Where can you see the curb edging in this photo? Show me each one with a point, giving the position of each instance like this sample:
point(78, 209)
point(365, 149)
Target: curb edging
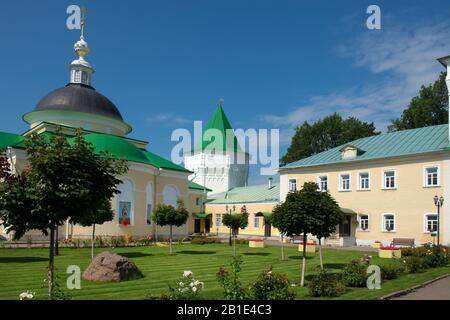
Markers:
point(411, 289)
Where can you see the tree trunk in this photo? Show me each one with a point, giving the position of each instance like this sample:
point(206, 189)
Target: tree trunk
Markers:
point(229, 240)
point(234, 245)
point(51, 264)
point(56, 241)
point(320, 254)
point(170, 241)
point(302, 282)
point(282, 248)
point(93, 241)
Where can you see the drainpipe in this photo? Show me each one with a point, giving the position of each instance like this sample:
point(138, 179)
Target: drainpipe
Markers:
point(155, 226)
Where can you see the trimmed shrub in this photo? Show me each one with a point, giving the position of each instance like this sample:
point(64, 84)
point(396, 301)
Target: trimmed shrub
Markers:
point(391, 271)
point(413, 264)
point(355, 274)
point(435, 257)
point(326, 284)
point(205, 240)
point(272, 286)
point(241, 241)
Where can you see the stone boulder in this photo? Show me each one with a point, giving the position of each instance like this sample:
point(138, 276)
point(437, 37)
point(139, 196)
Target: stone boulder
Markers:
point(108, 266)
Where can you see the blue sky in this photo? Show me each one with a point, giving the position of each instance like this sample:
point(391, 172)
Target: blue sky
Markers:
point(276, 63)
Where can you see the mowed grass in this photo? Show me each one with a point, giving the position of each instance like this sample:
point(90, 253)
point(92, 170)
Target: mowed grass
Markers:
point(25, 269)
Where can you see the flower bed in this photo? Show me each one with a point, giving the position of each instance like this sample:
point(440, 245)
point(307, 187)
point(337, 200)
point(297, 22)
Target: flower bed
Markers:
point(310, 247)
point(389, 252)
point(256, 243)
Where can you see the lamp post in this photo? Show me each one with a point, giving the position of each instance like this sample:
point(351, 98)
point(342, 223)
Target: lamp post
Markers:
point(229, 210)
point(438, 202)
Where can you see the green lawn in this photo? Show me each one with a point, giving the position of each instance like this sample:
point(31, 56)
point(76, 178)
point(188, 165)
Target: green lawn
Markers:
point(25, 269)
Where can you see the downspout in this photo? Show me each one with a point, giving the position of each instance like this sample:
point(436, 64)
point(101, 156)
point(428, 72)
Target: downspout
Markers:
point(155, 226)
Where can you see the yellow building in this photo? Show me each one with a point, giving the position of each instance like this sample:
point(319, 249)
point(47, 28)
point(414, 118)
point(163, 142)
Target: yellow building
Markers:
point(385, 184)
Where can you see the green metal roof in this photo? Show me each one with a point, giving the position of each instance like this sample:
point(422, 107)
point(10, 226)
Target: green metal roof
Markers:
point(9, 139)
point(251, 194)
point(220, 122)
point(116, 146)
point(196, 186)
point(394, 144)
point(202, 215)
point(163, 163)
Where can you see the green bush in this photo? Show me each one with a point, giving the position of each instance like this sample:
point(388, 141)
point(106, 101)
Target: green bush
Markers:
point(272, 286)
point(391, 271)
point(435, 257)
point(326, 284)
point(241, 241)
point(230, 281)
point(355, 274)
point(205, 240)
point(413, 264)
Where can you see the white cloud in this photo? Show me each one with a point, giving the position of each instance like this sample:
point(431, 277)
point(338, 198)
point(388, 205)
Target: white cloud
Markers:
point(167, 119)
point(402, 59)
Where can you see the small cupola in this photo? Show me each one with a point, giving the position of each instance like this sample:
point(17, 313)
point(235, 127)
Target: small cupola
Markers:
point(350, 152)
point(80, 70)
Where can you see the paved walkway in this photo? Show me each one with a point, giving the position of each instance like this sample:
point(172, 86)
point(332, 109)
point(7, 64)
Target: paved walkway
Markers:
point(438, 290)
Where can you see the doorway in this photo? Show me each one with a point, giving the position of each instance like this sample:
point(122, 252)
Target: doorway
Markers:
point(207, 225)
point(267, 229)
point(197, 226)
point(345, 227)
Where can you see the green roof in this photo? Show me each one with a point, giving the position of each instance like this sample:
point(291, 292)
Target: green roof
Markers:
point(394, 144)
point(202, 215)
point(196, 186)
point(220, 122)
point(251, 194)
point(163, 163)
point(9, 139)
point(118, 147)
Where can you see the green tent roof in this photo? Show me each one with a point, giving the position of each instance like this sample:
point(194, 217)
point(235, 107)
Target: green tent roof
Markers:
point(251, 194)
point(393, 144)
point(220, 122)
point(196, 186)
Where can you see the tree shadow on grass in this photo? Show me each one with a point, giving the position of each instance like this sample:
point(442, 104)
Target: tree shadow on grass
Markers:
point(256, 253)
point(334, 265)
point(22, 259)
point(196, 252)
point(300, 257)
point(135, 254)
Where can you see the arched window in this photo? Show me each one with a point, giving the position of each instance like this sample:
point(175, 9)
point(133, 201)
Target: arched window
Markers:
point(125, 204)
point(170, 195)
point(150, 197)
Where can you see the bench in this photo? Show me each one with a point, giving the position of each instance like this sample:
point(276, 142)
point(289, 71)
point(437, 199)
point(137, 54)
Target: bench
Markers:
point(405, 242)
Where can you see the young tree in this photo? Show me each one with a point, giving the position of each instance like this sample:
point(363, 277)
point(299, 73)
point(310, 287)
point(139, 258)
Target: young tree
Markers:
point(324, 134)
point(429, 108)
point(167, 215)
point(236, 221)
point(61, 184)
point(326, 220)
point(298, 214)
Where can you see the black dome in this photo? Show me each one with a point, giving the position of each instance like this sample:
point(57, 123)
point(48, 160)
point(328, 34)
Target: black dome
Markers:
point(79, 98)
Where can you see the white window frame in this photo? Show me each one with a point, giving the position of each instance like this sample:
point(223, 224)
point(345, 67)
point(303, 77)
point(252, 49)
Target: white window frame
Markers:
point(256, 219)
point(383, 224)
point(359, 181)
point(425, 176)
point(290, 184)
point(349, 182)
point(218, 220)
point(319, 182)
point(123, 196)
point(383, 179)
point(425, 221)
point(359, 222)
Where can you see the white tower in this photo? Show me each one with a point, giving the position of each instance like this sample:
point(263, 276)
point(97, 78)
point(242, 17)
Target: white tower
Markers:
point(218, 162)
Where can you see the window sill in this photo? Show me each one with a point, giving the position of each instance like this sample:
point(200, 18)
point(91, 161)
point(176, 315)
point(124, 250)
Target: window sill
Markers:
point(436, 186)
point(384, 231)
point(363, 189)
point(361, 230)
point(389, 188)
point(344, 190)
